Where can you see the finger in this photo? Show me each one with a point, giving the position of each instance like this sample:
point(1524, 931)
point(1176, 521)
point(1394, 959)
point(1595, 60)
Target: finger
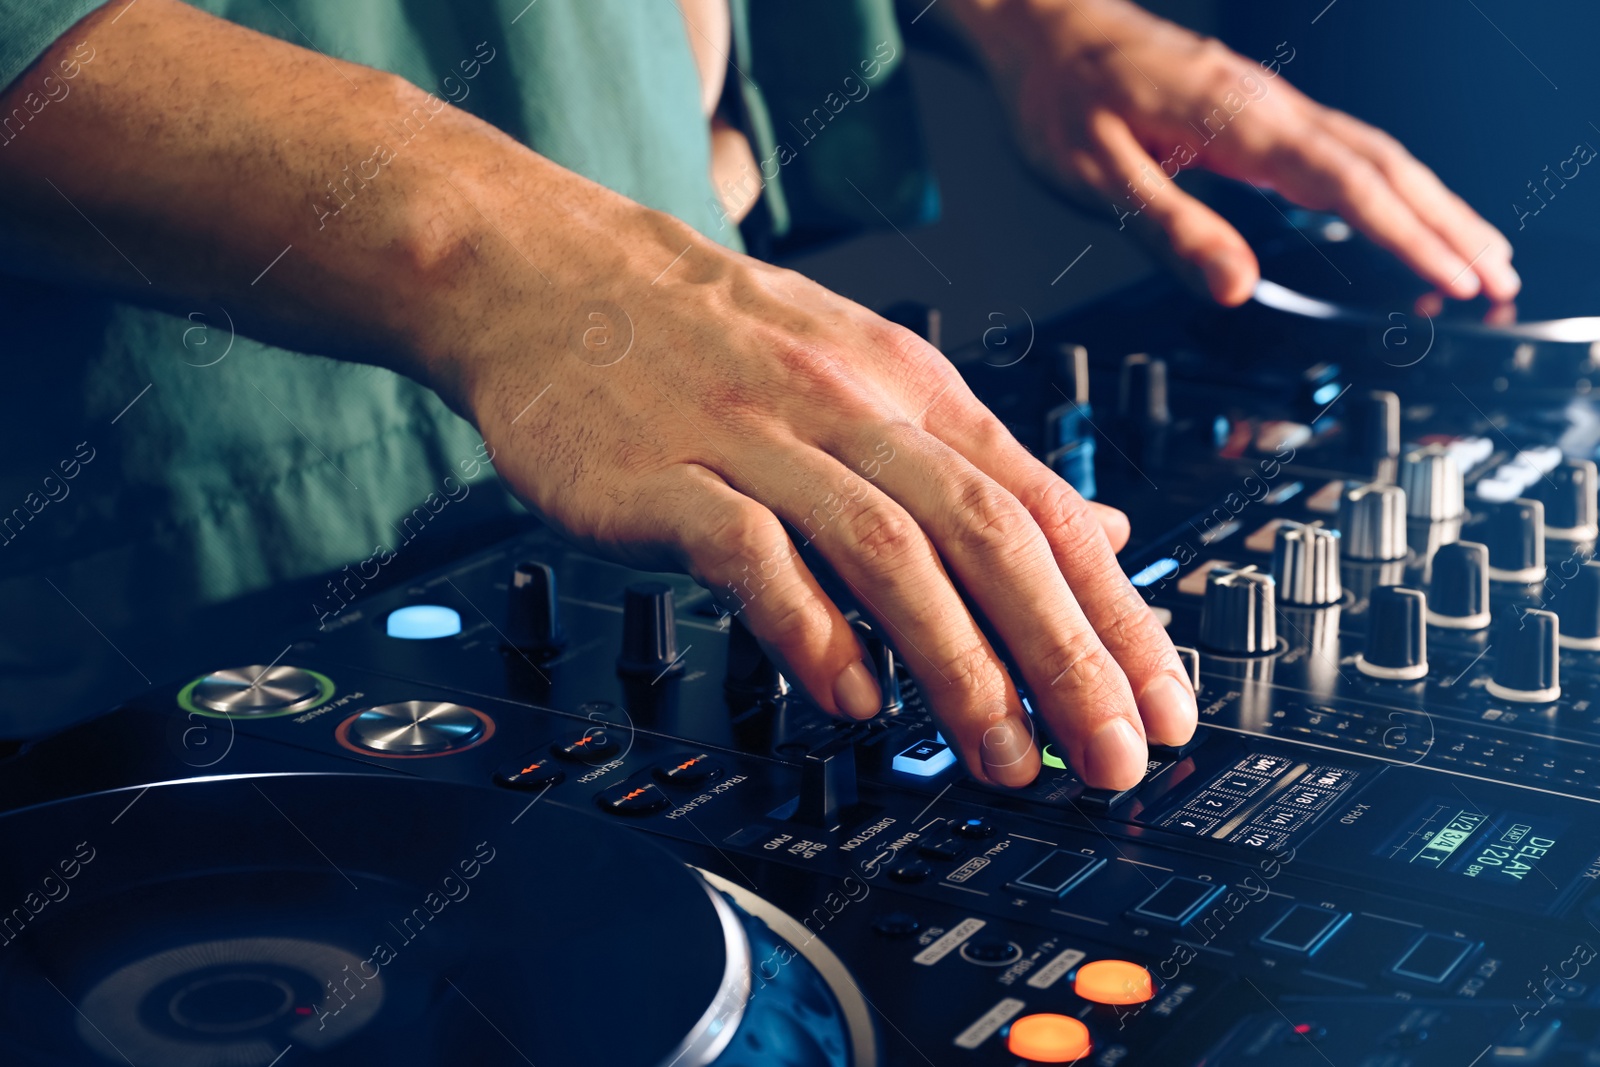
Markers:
point(739, 550)
point(876, 547)
point(1001, 558)
point(1197, 241)
point(1461, 227)
point(1125, 625)
point(1113, 523)
point(1321, 172)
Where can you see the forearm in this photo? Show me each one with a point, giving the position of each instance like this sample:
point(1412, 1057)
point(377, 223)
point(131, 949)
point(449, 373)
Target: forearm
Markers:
point(329, 207)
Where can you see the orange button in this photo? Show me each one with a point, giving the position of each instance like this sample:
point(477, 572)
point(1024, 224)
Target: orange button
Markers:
point(1114, 982)
point(1048, 1039)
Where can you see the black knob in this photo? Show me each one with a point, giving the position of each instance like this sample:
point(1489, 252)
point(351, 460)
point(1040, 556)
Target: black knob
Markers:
point(1142, 391)
point(1527, 665)
point(533, 619)
point(1568, 494)
point(1239, 614)
point(649, 631)
point(827, 782)
point(1580, 609)
point(1514, 533)
point(1397, 635)
point(1374, 419)
point(1072, 373)
point(1458, 593)
point(880, 657)
point(751, 675)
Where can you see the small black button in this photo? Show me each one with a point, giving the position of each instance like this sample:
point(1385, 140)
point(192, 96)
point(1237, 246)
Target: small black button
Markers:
point(896, 924)
point(977, 829)
point(910, 871)
point(530, 772)
point(1178, 900)
point(689, 771)
point(632, 798)
point(990, 950)
point(590, 745)
point(942, 848)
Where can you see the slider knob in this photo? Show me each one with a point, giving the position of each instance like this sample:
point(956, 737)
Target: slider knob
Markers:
point(1372, 520)
point(1397, 635)
point(1580, 609)
point(533, 622)
point(1432, 483)
point(649, 631)
point(1568, 494)
point(1514, 532)
point(1239, 614)
point(1305, 564)
point(1527, 666)
point(1142, 391)
point(1458, 595)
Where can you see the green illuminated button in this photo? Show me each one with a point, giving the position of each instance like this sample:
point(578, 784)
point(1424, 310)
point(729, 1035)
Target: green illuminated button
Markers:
point(1051, 759)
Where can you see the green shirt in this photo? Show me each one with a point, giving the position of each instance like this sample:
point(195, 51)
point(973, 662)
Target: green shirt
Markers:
point(156, 463)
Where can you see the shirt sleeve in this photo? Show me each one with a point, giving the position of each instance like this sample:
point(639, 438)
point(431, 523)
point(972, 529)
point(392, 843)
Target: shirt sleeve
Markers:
point(28, 27)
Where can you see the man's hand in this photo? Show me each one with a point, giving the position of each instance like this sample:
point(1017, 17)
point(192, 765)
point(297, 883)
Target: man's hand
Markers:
point(1110, 103)
point(661, 399)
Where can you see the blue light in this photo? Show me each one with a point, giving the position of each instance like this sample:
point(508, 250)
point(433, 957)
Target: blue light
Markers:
point(1158, 570)
point(925, 759)
point(1326, 394)
point(423, 622)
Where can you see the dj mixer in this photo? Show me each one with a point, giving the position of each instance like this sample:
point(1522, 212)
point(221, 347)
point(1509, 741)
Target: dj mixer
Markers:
point(537, 808)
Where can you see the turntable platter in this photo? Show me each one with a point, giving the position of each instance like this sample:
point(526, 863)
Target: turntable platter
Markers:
point(353, 919)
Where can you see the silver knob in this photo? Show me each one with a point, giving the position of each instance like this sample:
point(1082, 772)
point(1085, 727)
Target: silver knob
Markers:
point(1239, 614)
point(1305, 564)
point(1432, 483)
point(1372, 520)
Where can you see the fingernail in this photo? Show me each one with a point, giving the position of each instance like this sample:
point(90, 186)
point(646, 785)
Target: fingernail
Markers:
point(1466, 283)
point(1219, 272)
point(1506, 281)
point(856, 691)
point(1168, 711)
point(1115, 757)
point(1009, 757)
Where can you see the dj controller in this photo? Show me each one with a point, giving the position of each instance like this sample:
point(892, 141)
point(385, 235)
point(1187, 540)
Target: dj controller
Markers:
point(537, 808)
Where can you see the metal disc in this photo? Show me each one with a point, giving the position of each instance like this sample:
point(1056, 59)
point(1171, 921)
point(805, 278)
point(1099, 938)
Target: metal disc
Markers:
point(256, 690)
point(416, 727)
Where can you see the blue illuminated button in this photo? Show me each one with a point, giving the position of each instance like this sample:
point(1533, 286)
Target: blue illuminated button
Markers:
point(1058, 873)
point(925, 758)
point(1178, 900)
point(1304, 929)
point(423, 622)
point(1161, 568)
point(1432, 957)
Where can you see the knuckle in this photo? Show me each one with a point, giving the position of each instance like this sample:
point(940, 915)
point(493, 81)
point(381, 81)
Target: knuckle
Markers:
point(881, 533)
point(1063, 515)
point(792, 620)
point(970, 669)
point(736, 534)
point(987, 518)
point(1088, 671)
point(1129, 624)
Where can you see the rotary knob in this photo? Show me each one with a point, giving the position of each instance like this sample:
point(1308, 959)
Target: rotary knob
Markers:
point(1514, 533)
point(1527, 666)
point(1372, 520)
point(1142, 391)
point(1239, 614)
point(649, 631)
point(1458, 594)
point(1568, 494)
point(1397, 635)
point(1305, 564)
point(881, 657)
point(751, 675)
point(533, 620)
point(1375, 425)
point(1580, 609)
point(1432, 483)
